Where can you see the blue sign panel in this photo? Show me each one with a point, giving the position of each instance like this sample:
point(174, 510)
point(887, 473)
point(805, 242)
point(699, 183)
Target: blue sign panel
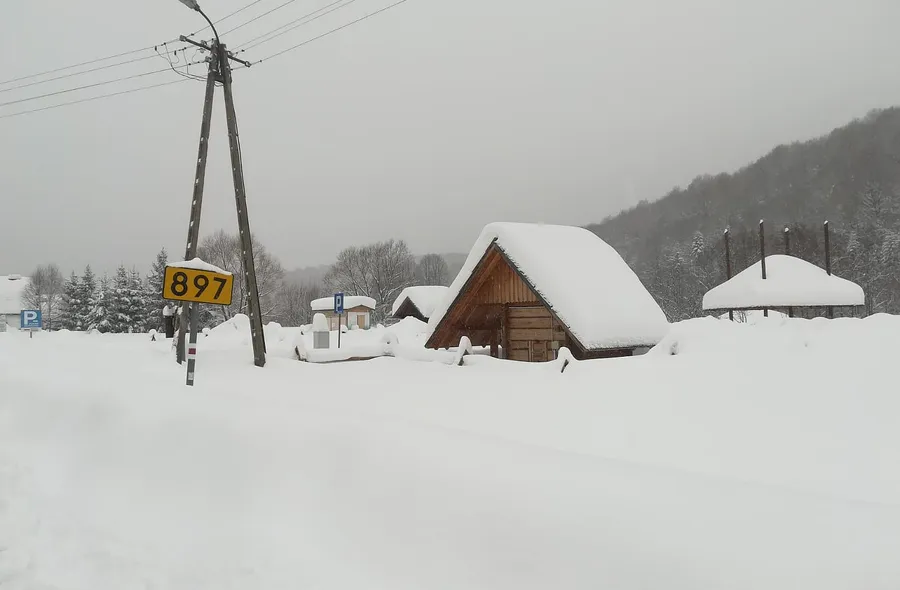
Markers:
point(30, 319)
point(338, 303)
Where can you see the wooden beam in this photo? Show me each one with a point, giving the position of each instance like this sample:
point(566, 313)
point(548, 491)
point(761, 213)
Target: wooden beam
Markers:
point(504, 331)
point(532, 311)
point(541, 335)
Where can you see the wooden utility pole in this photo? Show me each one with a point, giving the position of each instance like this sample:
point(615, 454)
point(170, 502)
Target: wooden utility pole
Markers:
point(220, 71)
point(190, 250)
point(727, 236)
point(240, 198)
point(830, 309)
point(787, 252)
point(762, 257)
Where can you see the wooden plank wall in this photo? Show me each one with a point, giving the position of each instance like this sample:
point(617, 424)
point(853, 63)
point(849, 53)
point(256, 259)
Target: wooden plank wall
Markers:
point(504, 286)
point(531, 331)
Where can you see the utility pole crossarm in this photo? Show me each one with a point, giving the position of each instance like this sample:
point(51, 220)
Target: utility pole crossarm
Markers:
point(203, 45)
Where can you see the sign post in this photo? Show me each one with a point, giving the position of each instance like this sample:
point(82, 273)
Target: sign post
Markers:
point(339, 310)
point(31, 320)
point(196, 282)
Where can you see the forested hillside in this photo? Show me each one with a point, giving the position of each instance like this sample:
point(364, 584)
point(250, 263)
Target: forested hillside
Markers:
point(850, 177)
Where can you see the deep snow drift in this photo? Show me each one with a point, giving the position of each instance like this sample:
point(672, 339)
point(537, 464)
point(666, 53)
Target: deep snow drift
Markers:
point(731, 456)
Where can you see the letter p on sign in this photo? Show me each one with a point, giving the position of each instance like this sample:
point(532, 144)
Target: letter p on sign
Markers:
point(30, 319)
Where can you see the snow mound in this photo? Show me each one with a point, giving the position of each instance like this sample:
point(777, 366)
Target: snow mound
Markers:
point(781, 337)
point(789, 281)
point(240, 322)
point(320, 323)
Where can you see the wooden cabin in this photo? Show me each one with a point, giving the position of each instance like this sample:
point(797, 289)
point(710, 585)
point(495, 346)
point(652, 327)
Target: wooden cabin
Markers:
point(528, 290)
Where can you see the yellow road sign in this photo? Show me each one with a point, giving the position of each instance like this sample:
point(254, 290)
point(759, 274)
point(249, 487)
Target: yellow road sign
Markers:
point(199, 286)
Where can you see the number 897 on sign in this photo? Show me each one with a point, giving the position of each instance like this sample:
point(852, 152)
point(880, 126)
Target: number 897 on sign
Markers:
point(198, 286)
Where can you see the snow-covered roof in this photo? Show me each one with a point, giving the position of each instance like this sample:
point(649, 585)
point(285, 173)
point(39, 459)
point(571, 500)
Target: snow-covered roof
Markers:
point(424, 297)
point(11, 289)
point(350, 301)
point(589, 287)
point(197, 264)
point(789, 281)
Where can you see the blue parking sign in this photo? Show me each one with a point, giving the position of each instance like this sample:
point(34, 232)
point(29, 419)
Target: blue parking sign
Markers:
point(30, 319)
point(338, 303)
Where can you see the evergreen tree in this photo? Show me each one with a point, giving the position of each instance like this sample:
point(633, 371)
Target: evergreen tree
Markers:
point(86, 290)
point(98, 317)
point(138, 294)
point(154, 303)
point(119, 302)
point(68, 313)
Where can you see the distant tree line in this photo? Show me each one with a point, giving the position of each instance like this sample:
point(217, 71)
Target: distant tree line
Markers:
point(850, 177)
point(382, 270)
point(130, 302)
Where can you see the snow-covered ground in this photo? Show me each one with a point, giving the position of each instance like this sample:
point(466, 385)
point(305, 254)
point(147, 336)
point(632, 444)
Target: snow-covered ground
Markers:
point(731, 456)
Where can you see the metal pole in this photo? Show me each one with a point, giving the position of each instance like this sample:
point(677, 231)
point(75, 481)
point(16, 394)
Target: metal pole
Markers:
point(339, 329)
point(192, 345)
point(787, 252)
point(762, 257)
point(240, 197)
point(830, 309)
point(190, 251)
point(728, 265)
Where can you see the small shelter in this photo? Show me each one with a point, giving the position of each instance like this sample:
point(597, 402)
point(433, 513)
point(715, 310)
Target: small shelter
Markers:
point(418, 302)
point(789, 282)
point(357, 311)
point(527, 290)
point(12, 287)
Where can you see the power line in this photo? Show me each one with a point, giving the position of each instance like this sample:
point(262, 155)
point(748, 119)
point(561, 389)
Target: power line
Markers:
point(247, 45)
point(92, 98)
point(227, 16)
point(168, 58)
point(280, 6)
point(335, 30)
point(84, 63)
point(97, 69)
point(94, 85)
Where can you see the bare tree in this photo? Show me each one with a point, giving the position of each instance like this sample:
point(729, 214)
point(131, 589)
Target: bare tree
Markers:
point(379, 270)
point(294, 302)
point(44, 291)
point(432, 270)
point(224, 250)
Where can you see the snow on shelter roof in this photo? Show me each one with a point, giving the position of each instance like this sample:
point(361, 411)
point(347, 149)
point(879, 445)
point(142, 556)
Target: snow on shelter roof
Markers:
point(583, 280)
point(350, 301)
point(424, 297)
point(11, 289)
point(789, 282)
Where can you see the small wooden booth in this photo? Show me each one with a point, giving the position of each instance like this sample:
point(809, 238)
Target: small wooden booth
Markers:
point(528, 290)
point(357, 311)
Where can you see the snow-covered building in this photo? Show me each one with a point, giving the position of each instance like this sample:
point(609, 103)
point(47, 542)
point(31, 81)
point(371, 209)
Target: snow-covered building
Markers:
point(527, 290)
point(790, 283)
point(357, 311)
point(418, 302)
point(12, 287)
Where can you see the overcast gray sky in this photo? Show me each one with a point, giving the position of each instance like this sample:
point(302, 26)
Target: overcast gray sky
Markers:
point(422, 123)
